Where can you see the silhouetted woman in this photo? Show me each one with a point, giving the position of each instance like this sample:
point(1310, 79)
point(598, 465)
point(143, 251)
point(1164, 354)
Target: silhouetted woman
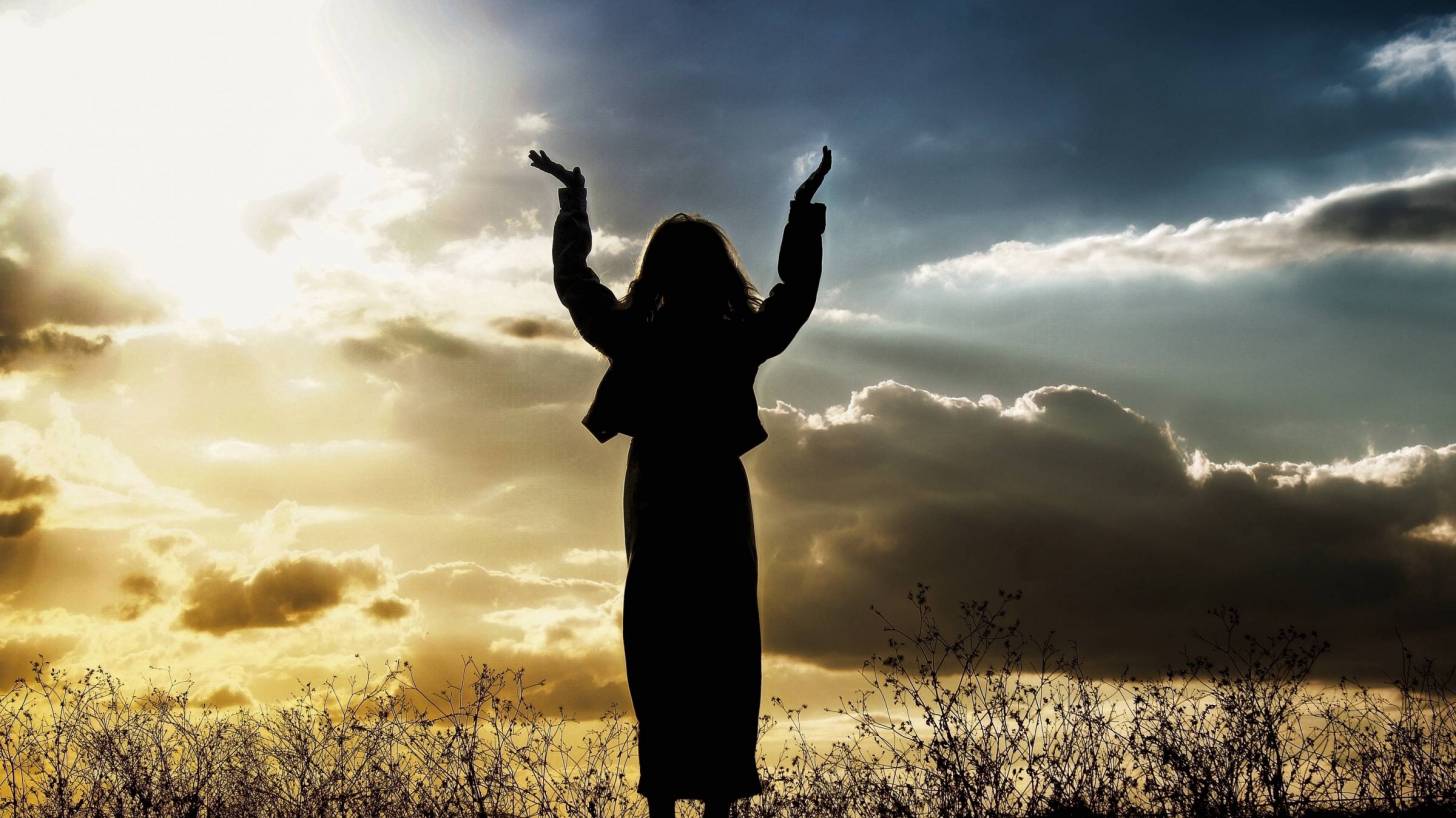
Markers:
point(684, 346)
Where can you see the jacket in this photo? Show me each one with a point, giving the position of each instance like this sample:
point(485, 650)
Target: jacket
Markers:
point(689, 381)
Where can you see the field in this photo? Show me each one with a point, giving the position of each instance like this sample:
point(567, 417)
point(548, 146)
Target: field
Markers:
point(973, 719)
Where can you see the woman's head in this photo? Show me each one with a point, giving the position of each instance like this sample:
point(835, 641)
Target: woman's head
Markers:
point(690, 262)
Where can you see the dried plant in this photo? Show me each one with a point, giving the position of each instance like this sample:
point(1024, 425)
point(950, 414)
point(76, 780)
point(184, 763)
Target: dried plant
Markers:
point(982, 719)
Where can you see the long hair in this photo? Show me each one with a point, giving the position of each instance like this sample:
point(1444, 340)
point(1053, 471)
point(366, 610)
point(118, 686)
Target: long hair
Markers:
point(690, 260)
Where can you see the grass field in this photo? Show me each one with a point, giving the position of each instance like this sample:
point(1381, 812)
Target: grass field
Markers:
point(966, 720)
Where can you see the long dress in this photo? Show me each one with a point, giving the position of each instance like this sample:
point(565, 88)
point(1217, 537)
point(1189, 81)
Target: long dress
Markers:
point(690, 623)
point(684, 391)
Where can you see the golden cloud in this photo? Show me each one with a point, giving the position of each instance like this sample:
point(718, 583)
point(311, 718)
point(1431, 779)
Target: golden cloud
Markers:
point(289, 591)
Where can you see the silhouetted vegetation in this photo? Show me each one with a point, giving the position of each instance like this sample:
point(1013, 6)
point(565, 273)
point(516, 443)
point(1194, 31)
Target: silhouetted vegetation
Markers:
point(978, 720)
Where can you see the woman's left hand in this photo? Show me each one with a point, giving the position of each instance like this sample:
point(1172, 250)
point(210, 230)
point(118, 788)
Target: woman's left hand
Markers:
point(810, 186)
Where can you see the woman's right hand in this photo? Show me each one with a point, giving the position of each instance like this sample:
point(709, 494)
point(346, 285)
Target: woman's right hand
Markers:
point(810, 186)
point(569, 178)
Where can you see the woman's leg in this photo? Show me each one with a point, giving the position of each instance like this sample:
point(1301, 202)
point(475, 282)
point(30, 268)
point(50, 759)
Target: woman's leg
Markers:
point(715, 809)
point(662, 808)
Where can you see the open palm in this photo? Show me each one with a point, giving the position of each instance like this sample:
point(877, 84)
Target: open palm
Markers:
point(569, 178)
point(810, 186)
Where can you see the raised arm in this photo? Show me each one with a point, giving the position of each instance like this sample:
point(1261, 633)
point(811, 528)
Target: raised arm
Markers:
point(592, 304)
point(801, 256)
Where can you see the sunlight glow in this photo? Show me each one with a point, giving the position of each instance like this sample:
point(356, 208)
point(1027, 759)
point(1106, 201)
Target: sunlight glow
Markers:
point(160, 122)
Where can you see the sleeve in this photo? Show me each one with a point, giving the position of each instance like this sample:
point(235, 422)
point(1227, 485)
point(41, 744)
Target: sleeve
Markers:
point(789, 303)
point(592, 304)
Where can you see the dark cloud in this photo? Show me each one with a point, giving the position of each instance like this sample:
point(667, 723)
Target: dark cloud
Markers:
point(166, 541)
point(21, 520)
point(19, 493)
point(1091, 511)
point(405, 336)
point(530, 328)
point(16, 656)
point(388, 609)
point(49, 341)
point(142, 592)
point(141, 585)
point(42, 284)
point(1421, 212)
point(226, 696)
point(15, 485)
point(286, 592)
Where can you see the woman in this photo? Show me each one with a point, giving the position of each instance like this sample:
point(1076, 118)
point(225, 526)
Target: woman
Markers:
point(684, 346)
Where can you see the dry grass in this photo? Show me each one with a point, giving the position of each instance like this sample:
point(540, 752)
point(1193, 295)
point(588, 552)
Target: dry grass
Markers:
point(979, 721)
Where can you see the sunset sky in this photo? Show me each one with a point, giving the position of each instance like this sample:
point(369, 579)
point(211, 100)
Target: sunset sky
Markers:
point(1140, 308)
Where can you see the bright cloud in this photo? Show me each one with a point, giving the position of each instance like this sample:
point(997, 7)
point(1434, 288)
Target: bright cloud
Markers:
point(97, 485)
point(1415, 215)
point(533, 123)
point(1417, 55)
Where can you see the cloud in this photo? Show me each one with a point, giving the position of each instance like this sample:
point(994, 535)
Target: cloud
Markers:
point(565, 631)
point(531, 328)
point(268, 221)
point(286, 592)
point(1417, 55)
point(470, 584)
point(17, 654)
point(16, 485)
point(804, 163)
point(97, 485)
point(278, 529)
point(1419, 211)
point(20, 510)
point(439, 370)
point(592, 556)
point(1120, 537)
point(586, 631)
point(533, 123)
point(836, 315)
point(1414, 215)
point(388, 609)
point(18, 522)
point(582, 686)
point(142, 592)
point(499, 425)
point(49, 341)
point(226, 696)
point(167, 541)
point(245, 451)
point(405, 336)
point(45, 289)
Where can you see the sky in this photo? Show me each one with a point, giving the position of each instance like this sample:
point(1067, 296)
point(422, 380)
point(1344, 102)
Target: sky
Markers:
point(1138, 308)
